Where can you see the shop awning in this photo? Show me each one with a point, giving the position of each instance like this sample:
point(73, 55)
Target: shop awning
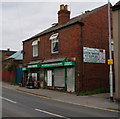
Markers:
point(53, 62)
point(34, 64)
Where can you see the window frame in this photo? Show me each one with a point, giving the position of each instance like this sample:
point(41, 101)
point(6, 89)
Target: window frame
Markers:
point(35, 48)
point(54, 39)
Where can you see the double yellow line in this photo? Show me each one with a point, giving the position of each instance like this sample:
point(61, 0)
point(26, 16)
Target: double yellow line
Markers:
point(45, 97)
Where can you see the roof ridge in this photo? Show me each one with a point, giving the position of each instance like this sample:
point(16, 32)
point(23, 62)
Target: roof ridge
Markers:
point(91, 11)
point(71, 21)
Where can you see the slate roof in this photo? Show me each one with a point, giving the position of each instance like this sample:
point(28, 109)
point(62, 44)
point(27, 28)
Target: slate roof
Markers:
point(116, 6)
point(7, 53)
point(70, 22)
point(16, 56)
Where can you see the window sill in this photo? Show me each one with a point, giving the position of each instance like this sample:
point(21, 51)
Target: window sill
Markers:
point(56, 53)
point(35, 57)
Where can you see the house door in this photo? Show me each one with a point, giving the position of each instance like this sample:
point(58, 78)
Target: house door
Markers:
point(49, 77)
point(70, 79)
point(18, 75)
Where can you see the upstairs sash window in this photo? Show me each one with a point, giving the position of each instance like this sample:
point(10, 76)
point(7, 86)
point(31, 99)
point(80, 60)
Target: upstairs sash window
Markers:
point(35, 48)
point(54, 43)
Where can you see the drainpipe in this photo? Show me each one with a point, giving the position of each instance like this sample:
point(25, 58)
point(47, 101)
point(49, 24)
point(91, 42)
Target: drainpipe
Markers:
point(82, 45)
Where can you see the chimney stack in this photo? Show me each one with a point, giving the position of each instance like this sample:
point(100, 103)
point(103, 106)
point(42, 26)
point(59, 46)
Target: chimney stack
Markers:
point(63, 14)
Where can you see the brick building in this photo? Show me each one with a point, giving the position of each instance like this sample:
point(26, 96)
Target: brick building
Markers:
point(6, 53)
point(12, 67)
point(116, 39)
point(71, 55)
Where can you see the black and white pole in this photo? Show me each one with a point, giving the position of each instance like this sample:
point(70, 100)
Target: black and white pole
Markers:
point(110, 61)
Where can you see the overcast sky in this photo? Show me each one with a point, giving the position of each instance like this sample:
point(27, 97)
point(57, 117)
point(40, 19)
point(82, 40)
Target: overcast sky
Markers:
point(21, 20)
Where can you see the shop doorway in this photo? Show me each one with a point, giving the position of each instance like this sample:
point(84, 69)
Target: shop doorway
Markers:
point(49, 77)
point(70, 79)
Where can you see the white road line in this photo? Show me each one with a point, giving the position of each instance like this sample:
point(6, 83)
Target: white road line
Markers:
point(52, 114)
point(7, 99)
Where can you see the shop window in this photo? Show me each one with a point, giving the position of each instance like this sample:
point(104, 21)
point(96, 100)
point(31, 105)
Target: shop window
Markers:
point(54, 43)
point(35, 48)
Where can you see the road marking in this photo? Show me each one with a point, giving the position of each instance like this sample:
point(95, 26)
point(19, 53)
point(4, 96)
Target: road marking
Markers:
point(52, 114)
point(100, 108)
point(69, 102)
point(7, 99)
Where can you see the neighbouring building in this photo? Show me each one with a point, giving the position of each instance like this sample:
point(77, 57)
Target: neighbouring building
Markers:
point(72, 54)
point(6, 53)
point(116, 39)
point(12, 67)
point(3, 55)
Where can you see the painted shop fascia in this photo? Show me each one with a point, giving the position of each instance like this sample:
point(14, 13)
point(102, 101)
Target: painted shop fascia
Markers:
point(54, 79)
point(56, 75)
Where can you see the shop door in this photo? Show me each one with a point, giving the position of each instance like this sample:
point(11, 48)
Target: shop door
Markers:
point(70, 79)
point(59, 75)
point(18, 75)
point(49, 77)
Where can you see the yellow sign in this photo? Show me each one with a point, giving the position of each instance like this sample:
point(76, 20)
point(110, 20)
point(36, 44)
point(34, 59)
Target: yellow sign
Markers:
point(110, 61)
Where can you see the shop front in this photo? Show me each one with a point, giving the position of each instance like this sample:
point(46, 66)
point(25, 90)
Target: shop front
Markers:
point(34, 74)
point(24, 75)
point(59, 74)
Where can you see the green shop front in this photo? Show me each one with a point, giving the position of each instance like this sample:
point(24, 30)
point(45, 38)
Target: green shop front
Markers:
point(34, 72)
point(24, 75)
point(59, 74)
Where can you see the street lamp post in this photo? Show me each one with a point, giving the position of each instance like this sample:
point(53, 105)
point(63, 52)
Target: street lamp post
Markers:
point(110, 61)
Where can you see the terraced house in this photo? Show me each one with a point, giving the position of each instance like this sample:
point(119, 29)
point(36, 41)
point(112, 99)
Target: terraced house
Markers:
point(72, 54)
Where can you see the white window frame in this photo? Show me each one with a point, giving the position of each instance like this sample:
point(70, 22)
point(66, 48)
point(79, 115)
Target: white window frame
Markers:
point(35, 48)
point(54, 39)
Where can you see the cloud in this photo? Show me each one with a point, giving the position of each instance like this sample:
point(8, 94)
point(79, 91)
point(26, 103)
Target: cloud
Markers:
point(21, 20)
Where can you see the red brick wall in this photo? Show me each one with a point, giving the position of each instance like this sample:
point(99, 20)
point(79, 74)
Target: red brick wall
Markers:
point(68, 45)
point(8, 76)
point(95, 35)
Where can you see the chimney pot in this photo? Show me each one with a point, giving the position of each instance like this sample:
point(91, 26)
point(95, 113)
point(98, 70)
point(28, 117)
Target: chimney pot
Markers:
point(62, 7)
point(8, 49)
point(63, 14)
point(66, 7)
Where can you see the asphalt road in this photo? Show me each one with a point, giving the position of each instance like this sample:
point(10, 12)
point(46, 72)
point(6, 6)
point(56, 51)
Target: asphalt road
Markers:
point(18, 104)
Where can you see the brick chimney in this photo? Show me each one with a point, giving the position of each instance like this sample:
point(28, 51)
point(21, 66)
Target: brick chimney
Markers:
point(63, 14)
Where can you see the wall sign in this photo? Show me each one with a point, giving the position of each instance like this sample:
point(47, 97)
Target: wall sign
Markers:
point(93, 55)
point(34, 65)
point(24, 68)
point(53, 64)
point(71, 63)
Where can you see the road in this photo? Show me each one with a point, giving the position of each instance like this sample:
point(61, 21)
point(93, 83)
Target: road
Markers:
point(18, 104)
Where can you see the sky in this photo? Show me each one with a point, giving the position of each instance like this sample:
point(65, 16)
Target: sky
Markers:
point(22, 19)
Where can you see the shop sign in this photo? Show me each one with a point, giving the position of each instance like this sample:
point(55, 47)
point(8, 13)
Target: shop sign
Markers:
point(24, 68)
point(69, 63)
point(93, 55)
point(34, 66)
point(52, 64)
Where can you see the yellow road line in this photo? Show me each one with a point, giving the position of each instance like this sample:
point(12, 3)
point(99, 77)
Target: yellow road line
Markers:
point(25, 92)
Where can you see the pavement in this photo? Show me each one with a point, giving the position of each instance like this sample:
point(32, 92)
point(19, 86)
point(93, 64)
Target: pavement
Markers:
point(99, 101)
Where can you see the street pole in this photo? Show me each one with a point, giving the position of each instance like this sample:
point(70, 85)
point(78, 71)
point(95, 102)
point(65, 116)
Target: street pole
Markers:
point(110, 55)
